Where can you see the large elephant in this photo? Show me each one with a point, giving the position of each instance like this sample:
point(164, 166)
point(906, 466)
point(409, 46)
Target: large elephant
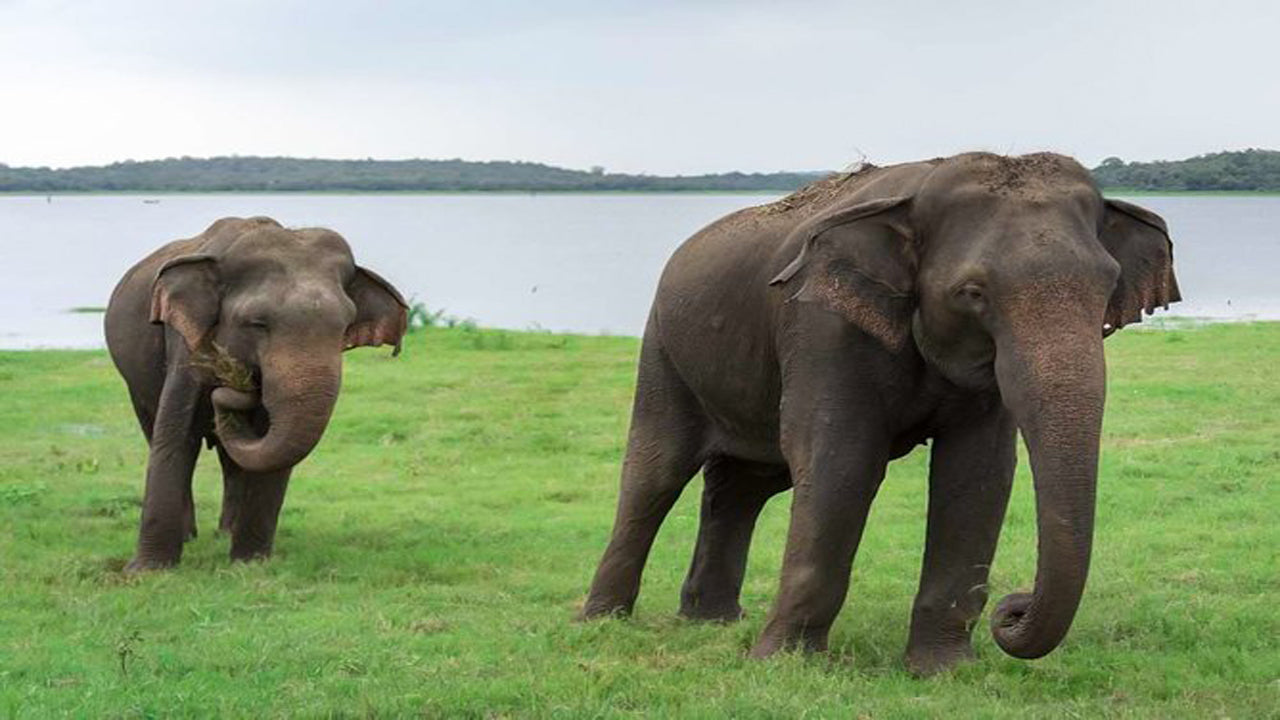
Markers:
point(809, 342)
point(235, 337)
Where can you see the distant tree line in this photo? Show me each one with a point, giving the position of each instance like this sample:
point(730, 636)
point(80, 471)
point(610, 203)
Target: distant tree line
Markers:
point(1243, 170)
point(261, 174)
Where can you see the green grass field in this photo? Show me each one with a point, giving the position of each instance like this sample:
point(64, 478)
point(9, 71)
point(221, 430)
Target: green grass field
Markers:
point(436, 545)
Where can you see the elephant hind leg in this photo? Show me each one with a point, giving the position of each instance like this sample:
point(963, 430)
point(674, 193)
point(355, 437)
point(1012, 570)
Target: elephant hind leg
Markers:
point(734, 492)
point(665, 448)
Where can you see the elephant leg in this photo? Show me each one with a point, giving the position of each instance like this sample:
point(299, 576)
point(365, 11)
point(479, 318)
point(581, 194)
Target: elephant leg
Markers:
point(167, 511)
point(734, 492)
point(145, 405)
point(837, 450)
point(970, 475)
point(233, 489)
point(189, 529)
point(251, 504)
point(664, 451)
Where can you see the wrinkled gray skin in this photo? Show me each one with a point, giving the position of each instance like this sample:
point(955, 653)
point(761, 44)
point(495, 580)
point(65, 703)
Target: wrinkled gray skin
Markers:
point(809, 342)
point(285, 303)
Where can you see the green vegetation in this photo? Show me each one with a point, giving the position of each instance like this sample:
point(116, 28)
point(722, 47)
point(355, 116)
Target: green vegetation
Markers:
point(1246, 170)
point(436, 544)
point(261, 174)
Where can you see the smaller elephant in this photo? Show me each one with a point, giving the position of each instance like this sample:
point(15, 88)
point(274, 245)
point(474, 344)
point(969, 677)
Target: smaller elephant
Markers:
point(235, 337)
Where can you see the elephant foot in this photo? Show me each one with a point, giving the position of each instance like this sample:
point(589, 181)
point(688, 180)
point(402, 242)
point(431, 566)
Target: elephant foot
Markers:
point(933, 660)
point(703, 611)
point(594, 609)
point(940, 637)
point(146, 564)
point(772, 642)
point(245, 556)
point(251, 544)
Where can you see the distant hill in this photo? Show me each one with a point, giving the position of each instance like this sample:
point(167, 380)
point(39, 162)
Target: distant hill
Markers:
point(262, 174)
point(1241, 170)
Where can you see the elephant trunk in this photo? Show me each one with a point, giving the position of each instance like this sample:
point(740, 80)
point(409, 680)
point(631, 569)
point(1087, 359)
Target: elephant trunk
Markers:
point(298, 396)
point(1055, 387)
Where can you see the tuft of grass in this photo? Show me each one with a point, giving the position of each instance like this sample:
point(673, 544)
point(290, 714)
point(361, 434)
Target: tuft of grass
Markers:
point(435, 546)
point(228, 371)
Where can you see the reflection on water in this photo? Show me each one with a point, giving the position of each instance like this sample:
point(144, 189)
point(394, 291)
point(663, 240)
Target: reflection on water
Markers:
point(582, 263)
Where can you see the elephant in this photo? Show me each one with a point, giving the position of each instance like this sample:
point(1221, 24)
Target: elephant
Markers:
point(235, 337)
point(806, 343)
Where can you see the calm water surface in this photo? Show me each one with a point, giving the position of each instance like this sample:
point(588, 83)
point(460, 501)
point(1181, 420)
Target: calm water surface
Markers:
point(581, 263)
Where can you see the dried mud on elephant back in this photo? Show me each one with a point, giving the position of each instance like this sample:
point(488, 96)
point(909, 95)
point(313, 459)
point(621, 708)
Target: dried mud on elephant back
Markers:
point(818, 192)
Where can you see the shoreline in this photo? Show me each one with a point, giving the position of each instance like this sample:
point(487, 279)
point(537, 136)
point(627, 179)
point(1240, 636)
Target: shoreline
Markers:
point(1108, 192)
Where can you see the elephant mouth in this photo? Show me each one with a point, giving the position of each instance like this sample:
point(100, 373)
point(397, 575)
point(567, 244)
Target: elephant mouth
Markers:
point(240, 411)
point(978, 375)
point(237, 395)
point(972, 367)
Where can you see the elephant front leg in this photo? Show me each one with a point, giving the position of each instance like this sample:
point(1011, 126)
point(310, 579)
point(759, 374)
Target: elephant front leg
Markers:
point(836, 477)
point(970, 475)
point(168, 514)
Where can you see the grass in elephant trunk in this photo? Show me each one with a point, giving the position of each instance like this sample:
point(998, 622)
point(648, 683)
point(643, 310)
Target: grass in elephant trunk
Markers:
point(227, 370)
point(436, 544)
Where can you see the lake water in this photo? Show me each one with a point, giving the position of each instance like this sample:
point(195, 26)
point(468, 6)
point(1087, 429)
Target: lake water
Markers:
point(581, 263)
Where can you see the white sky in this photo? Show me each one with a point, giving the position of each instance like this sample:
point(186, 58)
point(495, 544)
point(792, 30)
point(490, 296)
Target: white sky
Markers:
point(650, 86)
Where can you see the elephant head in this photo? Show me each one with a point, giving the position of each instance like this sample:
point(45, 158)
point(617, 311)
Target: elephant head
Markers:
point(282, 304)
point(1006, 272)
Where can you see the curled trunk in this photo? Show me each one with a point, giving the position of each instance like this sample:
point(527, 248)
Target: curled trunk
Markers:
point(298, 398)
point(1055, 388)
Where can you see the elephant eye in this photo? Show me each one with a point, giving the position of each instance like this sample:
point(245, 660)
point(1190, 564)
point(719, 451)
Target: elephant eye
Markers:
point(257, 323)
point(970, 291)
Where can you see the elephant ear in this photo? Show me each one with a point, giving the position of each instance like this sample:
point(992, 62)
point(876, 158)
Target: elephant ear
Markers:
point(382, 316)
point(859, 262)
point(1138, 239)
point(185, 296)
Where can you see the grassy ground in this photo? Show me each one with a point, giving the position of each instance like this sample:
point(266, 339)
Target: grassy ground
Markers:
point(435, 546)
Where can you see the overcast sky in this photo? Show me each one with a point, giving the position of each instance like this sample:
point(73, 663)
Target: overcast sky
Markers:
point(652, 86)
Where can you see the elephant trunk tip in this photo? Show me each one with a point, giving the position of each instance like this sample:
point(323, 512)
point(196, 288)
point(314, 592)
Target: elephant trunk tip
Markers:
point(1023, 632)
point(233, 400)
point(1008, 627)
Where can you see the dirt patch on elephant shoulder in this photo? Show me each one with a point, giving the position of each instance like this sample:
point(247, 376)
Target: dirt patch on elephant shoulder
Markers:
point(817, 193)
